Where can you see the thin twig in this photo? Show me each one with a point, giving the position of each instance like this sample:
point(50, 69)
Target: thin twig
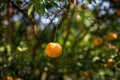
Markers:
point(16, 7)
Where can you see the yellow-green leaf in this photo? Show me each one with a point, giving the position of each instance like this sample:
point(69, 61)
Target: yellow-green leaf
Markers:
point(30, 9)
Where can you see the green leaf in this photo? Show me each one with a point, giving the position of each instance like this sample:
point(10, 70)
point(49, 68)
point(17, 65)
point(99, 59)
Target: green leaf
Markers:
point(54, 4)
point(37, 4)
point(30, 9)
point(42, 8)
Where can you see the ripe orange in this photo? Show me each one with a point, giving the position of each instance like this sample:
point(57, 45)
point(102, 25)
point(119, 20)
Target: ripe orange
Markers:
point(97, 41)
point(118, 12)
point(9, 78)
point(84, 6)
point(53, 49)
point(110, 63)
point(112, 36)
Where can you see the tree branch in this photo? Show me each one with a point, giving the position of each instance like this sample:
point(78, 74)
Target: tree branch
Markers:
point(20, 10)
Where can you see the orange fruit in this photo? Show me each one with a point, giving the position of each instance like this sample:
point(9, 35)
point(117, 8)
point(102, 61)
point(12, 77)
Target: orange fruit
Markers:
point(53, 49)
point(112, 36)
point(97, 41)
point(118, 12)
point(9, 78)
point(110, 63)
point(84, 6)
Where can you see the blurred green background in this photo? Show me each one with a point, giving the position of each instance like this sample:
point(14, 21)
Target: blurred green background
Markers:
point(89, 51)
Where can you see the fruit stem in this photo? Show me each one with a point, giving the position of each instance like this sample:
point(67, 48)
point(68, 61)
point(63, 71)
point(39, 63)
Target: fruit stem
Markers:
point(55, 34)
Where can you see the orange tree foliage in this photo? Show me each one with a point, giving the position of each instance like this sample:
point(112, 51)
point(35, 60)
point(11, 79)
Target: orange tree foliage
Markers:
point(89, 36)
